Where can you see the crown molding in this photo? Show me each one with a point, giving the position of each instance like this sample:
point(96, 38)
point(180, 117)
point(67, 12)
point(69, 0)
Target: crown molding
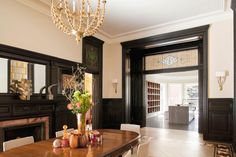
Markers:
point(174, 26)
point(39, 5)
point(225, 7)
point(43, 6)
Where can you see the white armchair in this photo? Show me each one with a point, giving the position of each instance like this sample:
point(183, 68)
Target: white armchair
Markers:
point(143, 147)
point(130, 127)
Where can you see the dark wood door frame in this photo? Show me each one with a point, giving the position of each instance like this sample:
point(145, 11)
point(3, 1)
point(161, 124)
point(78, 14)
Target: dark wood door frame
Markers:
point(97, 77)
point(141, 43)
point(233, 6)
point(199, 67)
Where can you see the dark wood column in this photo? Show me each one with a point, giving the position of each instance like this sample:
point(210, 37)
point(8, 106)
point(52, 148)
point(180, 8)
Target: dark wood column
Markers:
point(233, 6)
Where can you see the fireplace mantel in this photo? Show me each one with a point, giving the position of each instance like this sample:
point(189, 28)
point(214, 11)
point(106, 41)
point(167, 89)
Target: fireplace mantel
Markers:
point(18, 109)
point(55, 111)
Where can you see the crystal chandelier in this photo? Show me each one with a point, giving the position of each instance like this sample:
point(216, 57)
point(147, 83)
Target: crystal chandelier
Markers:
point(78, 17)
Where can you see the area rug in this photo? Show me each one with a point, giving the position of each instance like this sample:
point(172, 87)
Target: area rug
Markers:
point(223, 150)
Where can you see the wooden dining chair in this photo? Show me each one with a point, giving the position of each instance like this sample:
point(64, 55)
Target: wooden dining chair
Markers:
point(60, 133)
point(130, 127)
point(17, 142)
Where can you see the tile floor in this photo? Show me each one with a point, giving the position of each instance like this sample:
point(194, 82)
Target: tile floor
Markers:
point(177, 143)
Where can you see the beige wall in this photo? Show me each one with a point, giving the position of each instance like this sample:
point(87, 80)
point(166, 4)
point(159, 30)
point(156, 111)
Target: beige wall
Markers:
point(23, 27)
point(221, 58)
point(112, 69)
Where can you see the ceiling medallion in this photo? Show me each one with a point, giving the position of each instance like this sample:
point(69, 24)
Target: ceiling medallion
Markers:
point(78, 18)
point(169, 60)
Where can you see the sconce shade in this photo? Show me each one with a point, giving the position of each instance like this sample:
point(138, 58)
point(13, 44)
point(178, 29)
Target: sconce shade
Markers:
point(220, 73)
point(114, 81)
point(221, 78)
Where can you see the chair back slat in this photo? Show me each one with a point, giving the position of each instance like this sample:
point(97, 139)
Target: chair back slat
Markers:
point(130, 127)
point(17, 143)
point(60, 133)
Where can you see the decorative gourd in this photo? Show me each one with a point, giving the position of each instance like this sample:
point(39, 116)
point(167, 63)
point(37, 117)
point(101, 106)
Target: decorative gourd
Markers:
point(57, 143)
point(74, 140)
point(65, 143)
point(83, 141)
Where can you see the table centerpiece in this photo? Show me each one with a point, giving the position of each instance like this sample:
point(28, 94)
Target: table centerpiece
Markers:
point(79, 104)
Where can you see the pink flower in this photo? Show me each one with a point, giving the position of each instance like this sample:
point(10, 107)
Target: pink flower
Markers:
point(91, 102)
point(78, 104)
point(69, 106)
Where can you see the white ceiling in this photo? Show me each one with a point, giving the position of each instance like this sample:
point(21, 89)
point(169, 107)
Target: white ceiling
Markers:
point(124, 16)
point(131, 16)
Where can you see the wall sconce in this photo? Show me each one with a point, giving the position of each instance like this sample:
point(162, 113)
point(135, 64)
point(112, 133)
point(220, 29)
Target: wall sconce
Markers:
point(221, 78)
point(114, 84)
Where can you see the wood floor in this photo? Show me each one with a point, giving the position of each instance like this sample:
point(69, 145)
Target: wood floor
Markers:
point(160, 122)
point(177, 143)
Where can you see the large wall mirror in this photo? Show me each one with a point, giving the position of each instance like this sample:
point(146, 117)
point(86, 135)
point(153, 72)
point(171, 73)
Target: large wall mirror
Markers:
point(11, 70)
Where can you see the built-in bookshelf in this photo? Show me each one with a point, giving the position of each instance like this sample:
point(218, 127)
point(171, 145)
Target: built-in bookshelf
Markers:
point(153, 97)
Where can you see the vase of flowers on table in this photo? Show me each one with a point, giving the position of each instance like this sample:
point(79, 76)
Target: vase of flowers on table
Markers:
point(79, 106)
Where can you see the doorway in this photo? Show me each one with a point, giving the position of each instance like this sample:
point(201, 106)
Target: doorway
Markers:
point(172, 100)
point(135, 51)
point(92, 86)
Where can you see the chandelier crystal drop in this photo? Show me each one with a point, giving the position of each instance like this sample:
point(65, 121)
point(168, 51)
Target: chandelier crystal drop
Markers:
point(78, 18)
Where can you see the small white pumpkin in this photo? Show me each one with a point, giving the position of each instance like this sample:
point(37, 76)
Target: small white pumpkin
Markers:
point(57, 143)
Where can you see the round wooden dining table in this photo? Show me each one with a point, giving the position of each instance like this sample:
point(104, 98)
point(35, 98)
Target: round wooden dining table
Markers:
point(114, 144)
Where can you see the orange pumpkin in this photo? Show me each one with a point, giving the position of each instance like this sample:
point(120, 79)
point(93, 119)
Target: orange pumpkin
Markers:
point(74, 140)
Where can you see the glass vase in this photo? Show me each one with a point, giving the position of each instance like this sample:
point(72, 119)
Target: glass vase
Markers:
point(81, 121)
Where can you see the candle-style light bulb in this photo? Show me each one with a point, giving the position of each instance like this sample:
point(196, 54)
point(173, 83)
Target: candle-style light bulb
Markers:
point(73, 5)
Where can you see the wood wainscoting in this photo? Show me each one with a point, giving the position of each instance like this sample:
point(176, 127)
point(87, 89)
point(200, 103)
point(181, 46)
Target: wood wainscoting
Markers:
point(220, 119)
point(233, 7)
point(113, 113)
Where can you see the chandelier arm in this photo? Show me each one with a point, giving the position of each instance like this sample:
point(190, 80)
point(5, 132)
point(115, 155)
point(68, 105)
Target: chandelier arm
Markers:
point(81, 15)
point(88, 12)
point(68, 14)
point(99, 21)
point(89, 28)
point(57, 20)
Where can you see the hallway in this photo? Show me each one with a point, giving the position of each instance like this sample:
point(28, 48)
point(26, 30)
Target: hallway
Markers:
point(160, 122)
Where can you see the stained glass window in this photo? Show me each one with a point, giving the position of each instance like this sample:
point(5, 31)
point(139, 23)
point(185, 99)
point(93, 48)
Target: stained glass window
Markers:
point(172, 60)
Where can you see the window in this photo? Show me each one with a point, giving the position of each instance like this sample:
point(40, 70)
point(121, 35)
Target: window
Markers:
point(172, 60)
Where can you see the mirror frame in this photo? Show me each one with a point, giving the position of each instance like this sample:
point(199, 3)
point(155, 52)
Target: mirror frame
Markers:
point(53, 64)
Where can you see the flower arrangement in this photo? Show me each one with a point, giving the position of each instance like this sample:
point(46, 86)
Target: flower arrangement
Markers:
point(81, 102)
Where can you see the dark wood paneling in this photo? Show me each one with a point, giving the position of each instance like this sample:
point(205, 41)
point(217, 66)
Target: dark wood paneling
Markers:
point(220, 117)
point(141, 43)
point(97, 77)
point(64, 117)
point(233, 6)
point(138, 108)
point(170, 70)
point(113, 113)
point(5, 110)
